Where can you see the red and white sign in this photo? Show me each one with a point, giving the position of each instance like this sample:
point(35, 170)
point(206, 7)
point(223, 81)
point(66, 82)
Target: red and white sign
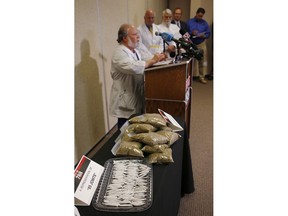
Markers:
point(172, 123)
point(86, 178)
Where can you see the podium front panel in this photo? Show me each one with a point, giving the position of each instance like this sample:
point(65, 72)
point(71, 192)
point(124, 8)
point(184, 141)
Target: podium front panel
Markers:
point(168, 82)
point(169, 88)
point(177, 109)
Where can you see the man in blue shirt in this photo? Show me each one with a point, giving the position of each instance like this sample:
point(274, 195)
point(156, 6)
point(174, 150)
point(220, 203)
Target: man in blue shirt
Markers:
point(199, 30)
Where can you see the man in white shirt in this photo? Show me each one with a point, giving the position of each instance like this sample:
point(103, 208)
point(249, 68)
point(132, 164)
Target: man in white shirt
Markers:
point(127, 72)
point(167, 26)
point(147, 30)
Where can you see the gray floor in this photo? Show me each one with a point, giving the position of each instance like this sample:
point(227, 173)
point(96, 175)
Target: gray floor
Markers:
point(200, 203)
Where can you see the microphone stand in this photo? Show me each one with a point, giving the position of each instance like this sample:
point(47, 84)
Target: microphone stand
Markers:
point(178, 56)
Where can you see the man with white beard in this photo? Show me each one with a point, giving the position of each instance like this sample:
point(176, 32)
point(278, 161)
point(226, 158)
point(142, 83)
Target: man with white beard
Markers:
point(168, 27)
point(127, 72)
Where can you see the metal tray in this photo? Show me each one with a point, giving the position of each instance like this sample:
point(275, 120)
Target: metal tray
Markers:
point(130, 199)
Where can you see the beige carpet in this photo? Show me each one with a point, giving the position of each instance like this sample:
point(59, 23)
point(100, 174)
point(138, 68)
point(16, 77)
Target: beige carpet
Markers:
point(200, 203)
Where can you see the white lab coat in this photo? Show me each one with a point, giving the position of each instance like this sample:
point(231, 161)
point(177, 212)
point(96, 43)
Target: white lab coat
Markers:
point(172, 29)
point(152, 42)
point(145, 54)
point(127, 72)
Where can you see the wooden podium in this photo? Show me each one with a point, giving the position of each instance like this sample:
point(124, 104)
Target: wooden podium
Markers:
point(169, 87)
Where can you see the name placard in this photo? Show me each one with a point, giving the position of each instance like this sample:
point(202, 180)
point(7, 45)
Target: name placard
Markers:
point(172, 123)
point(86, 178)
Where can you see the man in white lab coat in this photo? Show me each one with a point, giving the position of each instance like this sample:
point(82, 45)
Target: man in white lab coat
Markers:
point(127, 72)
point(147, 30)
point(168, 27)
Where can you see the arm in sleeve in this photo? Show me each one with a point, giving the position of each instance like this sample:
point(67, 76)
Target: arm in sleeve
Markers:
point(189, 30)
point(207, 30)
point(145, 53)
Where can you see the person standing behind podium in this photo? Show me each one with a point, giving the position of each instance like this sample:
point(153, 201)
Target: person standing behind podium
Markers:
point(177, 19)
point(167, 27)
point(127, 72)
point(199, 30)
point(147, 30)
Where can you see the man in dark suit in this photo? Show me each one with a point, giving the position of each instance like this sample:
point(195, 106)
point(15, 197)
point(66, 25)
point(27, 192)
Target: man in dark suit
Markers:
point(177, 19)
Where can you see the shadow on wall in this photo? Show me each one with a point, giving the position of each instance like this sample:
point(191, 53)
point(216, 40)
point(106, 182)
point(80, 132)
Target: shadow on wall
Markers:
point(89, 113)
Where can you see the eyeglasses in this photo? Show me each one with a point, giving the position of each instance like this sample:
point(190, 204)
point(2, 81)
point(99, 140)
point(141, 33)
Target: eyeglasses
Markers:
point(168, 17)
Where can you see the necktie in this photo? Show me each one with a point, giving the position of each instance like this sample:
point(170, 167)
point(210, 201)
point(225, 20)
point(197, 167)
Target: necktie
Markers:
point(137, 56)
point(151, 29)
point(178, 24)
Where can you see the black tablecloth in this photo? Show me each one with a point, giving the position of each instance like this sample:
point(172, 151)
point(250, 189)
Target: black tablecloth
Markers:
point(170, 181)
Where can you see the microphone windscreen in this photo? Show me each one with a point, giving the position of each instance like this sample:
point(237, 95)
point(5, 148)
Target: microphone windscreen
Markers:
point(186, 36)
point(182, 31)
point(172, 54)
point(167, 36)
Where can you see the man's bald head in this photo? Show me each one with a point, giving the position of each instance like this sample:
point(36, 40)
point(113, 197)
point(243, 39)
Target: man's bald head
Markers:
point(149, 17)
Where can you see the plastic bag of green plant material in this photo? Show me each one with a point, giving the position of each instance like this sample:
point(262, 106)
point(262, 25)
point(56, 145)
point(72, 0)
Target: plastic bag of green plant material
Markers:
point(161, 158)
point(155, 119)
point(151, 138)
point(172, 136)
point(138, 119)
point(127, 148)
point(136, 128)
point(144, 128)
point(155, 148)
point(165, 128)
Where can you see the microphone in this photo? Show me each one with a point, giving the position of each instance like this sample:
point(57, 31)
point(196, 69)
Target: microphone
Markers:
point(169, 37)
point(187, 44)
point(185, 34)
point(165, 36)
point(191, 49)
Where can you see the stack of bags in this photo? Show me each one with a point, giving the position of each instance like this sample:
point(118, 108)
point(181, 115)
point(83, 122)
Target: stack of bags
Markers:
point(148, 136)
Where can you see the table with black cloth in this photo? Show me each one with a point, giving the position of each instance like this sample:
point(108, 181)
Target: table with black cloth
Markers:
point(170, 181)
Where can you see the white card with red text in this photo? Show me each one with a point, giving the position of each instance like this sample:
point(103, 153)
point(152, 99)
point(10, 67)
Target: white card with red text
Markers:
point(87, 175)
point(172, 123)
